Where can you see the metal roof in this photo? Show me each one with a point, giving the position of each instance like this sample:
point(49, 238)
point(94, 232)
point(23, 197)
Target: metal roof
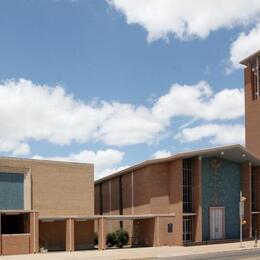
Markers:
point(236, 153)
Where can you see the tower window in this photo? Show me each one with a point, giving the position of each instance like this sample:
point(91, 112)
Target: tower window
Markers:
point(255, 79)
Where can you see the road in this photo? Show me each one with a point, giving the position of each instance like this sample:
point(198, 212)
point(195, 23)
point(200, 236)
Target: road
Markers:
point(244, 254)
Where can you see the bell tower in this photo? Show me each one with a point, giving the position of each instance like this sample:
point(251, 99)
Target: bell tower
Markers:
point(252, 102)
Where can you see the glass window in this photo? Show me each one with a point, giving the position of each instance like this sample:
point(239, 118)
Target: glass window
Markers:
point(187, 229)
point(170, 228)
point(187, 186)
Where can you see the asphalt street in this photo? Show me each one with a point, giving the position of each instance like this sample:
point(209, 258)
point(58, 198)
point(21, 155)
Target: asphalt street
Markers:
point(243, 254)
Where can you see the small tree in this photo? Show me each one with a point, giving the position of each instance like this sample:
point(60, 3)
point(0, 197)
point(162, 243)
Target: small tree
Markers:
point(111, 239)
point(122, 237)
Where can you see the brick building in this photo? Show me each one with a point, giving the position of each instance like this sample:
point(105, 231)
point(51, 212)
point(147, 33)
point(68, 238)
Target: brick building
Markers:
point(45, 204)
point(252, 102)
point(190, 197)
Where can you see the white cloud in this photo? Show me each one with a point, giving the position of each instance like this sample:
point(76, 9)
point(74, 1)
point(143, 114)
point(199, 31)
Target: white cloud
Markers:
point(187, 19)
point(105, 161)
point(39, 112)
point(244, 45)
point(219, 134)
point(199, 101)
point(129, 125)
point(161, 154)
point(22, 149)
point(14, 147)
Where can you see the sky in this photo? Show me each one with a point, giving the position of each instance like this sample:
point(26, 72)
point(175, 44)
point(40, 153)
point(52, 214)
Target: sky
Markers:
point(118, 82)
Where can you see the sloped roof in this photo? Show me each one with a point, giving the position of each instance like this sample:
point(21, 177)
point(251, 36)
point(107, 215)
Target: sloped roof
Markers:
point(236, 153)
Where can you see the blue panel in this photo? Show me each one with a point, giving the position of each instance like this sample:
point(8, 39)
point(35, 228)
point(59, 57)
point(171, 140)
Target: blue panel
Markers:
point(11, 191)
point(221, 187)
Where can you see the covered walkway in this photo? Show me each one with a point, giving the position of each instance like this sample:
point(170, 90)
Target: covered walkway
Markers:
point(70, 233)
point(148, 229)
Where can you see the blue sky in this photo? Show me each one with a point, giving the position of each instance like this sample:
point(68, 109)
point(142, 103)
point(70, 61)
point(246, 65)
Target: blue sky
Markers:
point(99, 81)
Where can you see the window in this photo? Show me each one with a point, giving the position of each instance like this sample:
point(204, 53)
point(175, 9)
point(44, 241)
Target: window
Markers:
point(255, 79)
point(187, 229)
point(101, 199)
point(15, 224)
point(120, 197)
point(170, 228)
point(254, 226)
point(253, 191)
point(187, 186)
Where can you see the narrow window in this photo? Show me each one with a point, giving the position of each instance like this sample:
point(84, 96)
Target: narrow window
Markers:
point(187, 229)
point(187, 186)
point(101, 199)
point(170, 228)
point(255, 79)
point(253, 191)
point(121, 200)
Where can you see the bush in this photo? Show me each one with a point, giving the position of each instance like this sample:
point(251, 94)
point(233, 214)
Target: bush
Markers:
point(95, 238)
point(122, 237)
point(111, 239)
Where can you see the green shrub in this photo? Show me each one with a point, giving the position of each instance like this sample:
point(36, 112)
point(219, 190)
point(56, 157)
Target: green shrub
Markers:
point(122, 237)
point(111, 239)
point(95, 238)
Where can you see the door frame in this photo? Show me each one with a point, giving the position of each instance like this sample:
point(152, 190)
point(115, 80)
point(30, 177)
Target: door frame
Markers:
point(223, 222)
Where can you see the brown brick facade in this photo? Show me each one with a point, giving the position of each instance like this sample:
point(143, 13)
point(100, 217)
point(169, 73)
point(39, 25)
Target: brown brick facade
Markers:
point(252, 116)
point(59, 190)
point(57, 186)
point(15, 244)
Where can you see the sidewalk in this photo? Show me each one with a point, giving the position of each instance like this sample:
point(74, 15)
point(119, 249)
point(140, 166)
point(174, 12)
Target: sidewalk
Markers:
point(134, 253)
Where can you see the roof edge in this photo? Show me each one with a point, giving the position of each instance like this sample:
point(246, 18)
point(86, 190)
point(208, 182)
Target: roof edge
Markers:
point(244, 61)
point(176, 156)
point(45, 161)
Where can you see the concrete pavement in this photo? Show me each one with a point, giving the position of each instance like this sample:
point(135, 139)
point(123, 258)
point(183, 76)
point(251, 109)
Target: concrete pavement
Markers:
point(137, 253)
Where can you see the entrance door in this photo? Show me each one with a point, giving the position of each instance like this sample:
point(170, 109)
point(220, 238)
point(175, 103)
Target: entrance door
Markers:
point(217, 223)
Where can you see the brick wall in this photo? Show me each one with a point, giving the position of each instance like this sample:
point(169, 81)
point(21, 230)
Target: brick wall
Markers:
point(58, 188)
point(53, 235)
point(175, 198)
point(84, 234)
point(197, 196)
point(157, 189)
point(252, 116)
point(15, 244)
